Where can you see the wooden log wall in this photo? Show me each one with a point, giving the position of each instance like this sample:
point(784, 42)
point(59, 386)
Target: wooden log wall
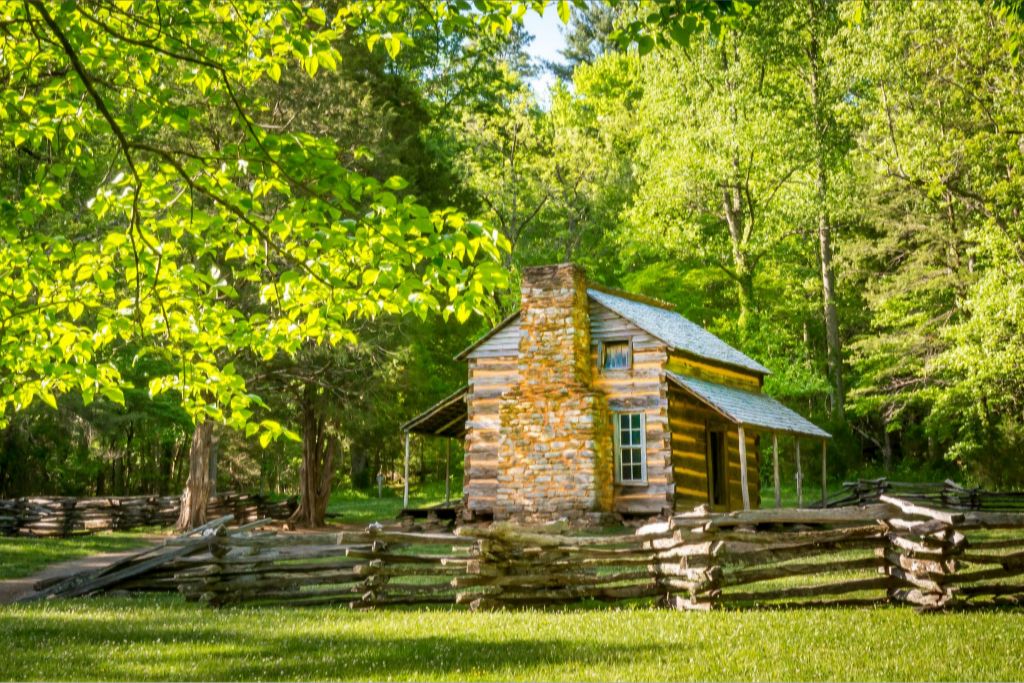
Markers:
point(641, 388)
point(493, 371)
point(689, 422)
point(65, 516)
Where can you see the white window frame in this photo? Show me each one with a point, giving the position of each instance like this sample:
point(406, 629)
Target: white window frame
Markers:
point(616, 440)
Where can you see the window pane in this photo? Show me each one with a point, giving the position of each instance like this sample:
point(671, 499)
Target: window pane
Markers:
point(629, 432)
point(616, 355)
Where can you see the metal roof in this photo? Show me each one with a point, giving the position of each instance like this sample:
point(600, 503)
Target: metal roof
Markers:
point(494, 330)
point(759, 411)
point(660, 322)
point(447, 417)
point(676, 331)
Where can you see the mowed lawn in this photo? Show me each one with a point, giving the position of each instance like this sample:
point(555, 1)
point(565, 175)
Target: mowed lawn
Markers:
point(164, 637)
point(24, 556)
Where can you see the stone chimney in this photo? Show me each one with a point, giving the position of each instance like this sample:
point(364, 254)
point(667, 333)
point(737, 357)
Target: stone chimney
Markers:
point(554, 455)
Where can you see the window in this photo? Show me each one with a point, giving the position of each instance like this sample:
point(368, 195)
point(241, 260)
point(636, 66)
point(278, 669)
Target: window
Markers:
point(630, 448)
point(717, 468)
point(616, 355)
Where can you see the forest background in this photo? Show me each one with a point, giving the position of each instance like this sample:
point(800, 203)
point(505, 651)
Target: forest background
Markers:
point(833, 187)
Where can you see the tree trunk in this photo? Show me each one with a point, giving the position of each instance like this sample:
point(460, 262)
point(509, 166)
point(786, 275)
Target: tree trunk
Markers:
point(359, 470)
point(734, 207)
point(886, 451)
point(732, 204)
point(214, 443)
point(197, 488)
point(317, 472)
point(828, 285)
point(166, 465)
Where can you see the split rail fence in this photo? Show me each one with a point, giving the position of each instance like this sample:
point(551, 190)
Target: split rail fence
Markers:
point(65, 516)
point(892, 552)
point(944, 494)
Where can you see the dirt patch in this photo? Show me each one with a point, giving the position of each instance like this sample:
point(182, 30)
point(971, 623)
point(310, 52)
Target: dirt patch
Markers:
point(15, 589)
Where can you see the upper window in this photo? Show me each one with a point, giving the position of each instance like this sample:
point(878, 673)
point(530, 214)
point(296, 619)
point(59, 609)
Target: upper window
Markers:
point(630, 448)
point(616, 355)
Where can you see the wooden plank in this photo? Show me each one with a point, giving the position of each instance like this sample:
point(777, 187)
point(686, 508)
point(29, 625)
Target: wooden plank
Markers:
point(836, 588)
point(775, 463)
point(824, 472)
point(865, 513)
point(744, 491)
point(922, 511)
point(799, 477)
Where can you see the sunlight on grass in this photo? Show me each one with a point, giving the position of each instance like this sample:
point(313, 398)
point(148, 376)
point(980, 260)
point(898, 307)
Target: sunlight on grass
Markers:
point(23, 556)
point(163, 637)
point(354, 506)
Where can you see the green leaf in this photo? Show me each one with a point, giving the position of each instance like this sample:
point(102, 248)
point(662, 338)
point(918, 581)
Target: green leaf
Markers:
point(65, 341)
point(113, 394)
point(318, 15)
point(47, 398)
point(393, 45)
point(564, 12)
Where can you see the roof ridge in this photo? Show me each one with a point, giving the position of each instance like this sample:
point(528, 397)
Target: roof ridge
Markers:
point(639, 298)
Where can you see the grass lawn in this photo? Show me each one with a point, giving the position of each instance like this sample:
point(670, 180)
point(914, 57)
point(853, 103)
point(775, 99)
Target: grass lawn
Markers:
point(353, 506)
point(23, 556)
point(163, 637)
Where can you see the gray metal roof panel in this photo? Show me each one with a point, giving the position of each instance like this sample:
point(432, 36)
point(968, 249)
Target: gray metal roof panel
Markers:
point(677, 331)
point(747, 408)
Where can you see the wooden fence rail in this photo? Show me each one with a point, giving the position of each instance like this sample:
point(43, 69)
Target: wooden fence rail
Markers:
point(892, 552)
point(944, 494)
point(65, 516)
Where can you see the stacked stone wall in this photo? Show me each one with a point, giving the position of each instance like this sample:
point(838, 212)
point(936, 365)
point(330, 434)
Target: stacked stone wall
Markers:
point(554, 456)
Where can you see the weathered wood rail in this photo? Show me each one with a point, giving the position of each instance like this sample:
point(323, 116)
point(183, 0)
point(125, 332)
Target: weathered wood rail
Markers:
point(944, 494)
point(65, 516)
point(892, 552)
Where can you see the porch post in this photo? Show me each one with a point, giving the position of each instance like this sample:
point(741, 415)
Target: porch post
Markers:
point(824, 472)
point(448, 471)
point(743, 468)
point(799, 477)
point(775, 463)
point(405, 491)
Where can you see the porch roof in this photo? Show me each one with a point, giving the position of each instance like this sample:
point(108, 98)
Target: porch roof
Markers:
point(447, 417)
point(758, 411)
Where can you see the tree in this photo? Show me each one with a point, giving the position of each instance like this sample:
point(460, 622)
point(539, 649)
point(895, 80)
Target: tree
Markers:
point(589, 34)
point(942, 125)
point(177, 221)
point(715, 161)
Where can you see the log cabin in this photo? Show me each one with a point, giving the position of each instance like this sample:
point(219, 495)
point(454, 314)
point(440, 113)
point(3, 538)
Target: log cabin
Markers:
point(589, 401)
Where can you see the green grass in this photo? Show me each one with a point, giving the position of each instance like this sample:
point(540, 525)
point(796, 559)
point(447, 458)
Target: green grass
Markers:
point(362, 507)
point(163, 637)
point(23, 556)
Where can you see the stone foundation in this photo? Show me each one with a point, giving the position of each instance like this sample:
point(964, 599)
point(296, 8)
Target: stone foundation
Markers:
point(554, 457)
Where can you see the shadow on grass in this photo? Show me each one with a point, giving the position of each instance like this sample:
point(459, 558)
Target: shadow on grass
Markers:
point(172, 640)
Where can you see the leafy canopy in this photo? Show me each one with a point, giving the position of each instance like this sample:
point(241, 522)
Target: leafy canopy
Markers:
point(149, 205)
